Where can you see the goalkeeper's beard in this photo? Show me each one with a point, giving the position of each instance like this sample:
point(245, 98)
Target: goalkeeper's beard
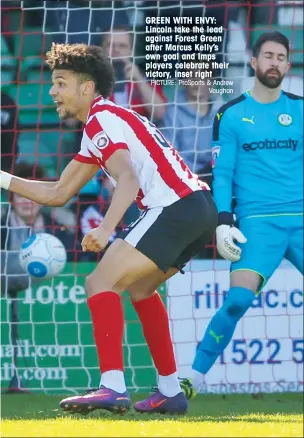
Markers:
point(269, 81)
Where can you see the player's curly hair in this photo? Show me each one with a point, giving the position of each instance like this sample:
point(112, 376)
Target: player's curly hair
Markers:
point(90, 62)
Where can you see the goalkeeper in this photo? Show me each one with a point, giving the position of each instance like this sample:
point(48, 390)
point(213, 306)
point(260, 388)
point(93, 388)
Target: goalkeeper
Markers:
point(258, 148)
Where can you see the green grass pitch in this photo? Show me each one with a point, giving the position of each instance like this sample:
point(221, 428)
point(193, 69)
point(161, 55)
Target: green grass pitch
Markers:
point(270, 415)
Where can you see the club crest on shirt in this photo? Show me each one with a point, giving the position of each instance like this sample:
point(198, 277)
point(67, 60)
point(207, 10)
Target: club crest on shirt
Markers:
point(101, 140)
point(285, 119)
point(215, 154)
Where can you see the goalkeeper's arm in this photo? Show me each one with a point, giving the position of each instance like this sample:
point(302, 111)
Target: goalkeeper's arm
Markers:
point(224, 153)
point(54, 194)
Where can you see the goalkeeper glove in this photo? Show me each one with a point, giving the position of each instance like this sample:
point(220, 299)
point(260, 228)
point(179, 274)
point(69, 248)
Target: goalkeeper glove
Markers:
point(226, 235)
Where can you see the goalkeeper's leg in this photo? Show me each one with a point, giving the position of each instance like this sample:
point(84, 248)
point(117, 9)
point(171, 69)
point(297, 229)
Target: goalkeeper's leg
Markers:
point(262, 253)
point(220, 330)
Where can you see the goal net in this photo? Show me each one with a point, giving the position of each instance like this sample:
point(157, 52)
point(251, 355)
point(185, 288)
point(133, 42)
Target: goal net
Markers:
point(46, 334)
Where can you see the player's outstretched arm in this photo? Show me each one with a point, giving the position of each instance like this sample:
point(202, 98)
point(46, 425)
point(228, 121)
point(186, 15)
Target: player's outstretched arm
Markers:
point(224, 156)
point(54, 194)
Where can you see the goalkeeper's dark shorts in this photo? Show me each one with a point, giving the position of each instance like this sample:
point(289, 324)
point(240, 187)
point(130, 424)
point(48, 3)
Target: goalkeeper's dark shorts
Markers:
point(171, 236)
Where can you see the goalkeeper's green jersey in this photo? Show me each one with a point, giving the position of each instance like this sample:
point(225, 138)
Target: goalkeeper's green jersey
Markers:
point(258, 156)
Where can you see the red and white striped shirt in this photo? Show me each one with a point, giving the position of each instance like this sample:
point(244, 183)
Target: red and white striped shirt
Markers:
point(163, 176)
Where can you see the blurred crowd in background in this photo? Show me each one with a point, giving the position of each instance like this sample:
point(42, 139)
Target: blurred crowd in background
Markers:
point(36, 145)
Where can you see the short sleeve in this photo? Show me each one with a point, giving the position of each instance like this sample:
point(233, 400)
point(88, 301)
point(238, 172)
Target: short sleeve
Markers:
point(84, 155)
point(106, 134)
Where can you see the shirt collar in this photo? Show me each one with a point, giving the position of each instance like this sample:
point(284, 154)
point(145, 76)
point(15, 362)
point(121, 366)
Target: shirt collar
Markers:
point(97, 98)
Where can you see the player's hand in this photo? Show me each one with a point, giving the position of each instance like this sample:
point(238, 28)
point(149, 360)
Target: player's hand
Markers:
point(96, 239)
point(225, 237)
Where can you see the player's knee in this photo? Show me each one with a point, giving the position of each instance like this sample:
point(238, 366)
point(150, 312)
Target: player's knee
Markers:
point(246, 279)
point(238, 302)
point(94, 286)
point(138, 295)
point(90, 285)
point(236, 309)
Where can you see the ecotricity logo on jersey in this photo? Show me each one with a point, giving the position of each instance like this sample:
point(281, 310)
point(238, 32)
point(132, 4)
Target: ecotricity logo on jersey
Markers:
point(285, 119)
point(271, 144)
